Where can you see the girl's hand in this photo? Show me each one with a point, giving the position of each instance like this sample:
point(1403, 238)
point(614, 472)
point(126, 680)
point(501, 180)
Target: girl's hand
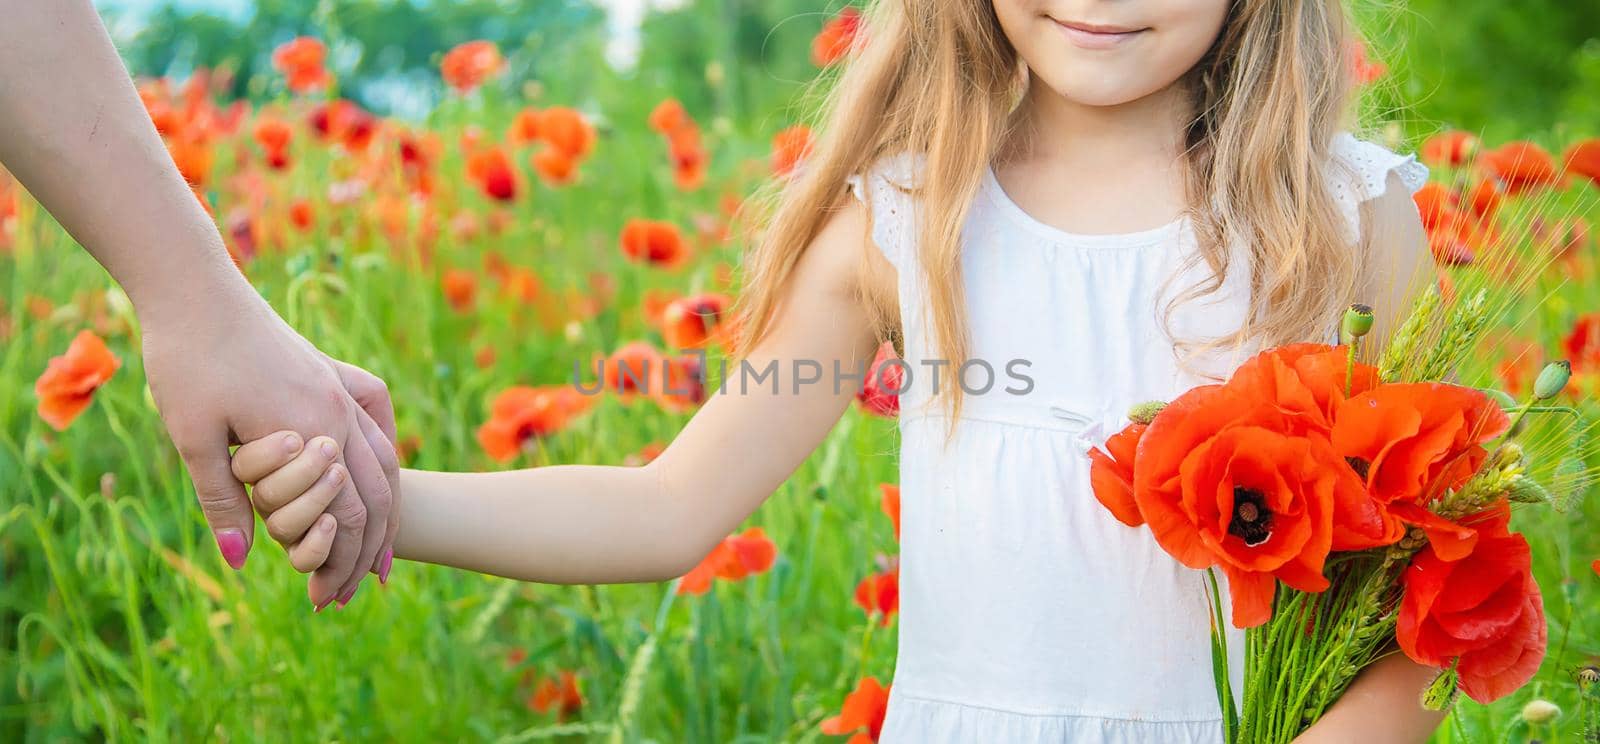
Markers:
point(292, 486)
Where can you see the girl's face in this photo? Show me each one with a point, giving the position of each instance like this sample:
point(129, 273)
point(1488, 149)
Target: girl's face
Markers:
point(1110, 52)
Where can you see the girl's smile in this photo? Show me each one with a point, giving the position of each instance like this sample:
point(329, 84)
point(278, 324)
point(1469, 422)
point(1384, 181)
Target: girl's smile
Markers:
point(1098, 36)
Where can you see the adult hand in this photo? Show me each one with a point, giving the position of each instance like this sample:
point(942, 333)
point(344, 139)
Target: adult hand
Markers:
point(237, 373)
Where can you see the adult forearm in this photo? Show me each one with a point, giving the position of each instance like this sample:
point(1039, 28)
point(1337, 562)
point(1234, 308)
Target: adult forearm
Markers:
point(565, 524)
point(75, 134)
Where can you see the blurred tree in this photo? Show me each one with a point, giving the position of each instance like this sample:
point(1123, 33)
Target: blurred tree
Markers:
point(381, 50)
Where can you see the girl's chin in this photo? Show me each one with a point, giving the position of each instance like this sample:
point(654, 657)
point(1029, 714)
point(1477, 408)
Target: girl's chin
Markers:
point(1087, 90)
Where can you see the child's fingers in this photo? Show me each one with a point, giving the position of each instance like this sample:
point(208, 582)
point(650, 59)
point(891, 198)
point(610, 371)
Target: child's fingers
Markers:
point(257, 459)
point(289, 522)
point(312, 551)
point(286, 483)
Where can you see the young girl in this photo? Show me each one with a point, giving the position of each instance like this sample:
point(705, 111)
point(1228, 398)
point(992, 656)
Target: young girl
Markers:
point(1119, 199)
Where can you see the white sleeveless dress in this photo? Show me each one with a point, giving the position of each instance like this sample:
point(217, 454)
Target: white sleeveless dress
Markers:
point(1027, 613)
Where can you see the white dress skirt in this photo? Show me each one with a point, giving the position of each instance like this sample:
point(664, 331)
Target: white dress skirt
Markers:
point(1027, 612)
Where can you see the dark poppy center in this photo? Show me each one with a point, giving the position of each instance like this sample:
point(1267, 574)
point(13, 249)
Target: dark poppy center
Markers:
point(1359, 465)
point(1251, 521)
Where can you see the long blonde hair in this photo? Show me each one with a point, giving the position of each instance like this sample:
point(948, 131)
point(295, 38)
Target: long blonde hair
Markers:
point(940, 79)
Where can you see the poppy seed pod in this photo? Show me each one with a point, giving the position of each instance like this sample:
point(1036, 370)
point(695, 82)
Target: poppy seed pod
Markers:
point(1357, 321)
point(1552, 379)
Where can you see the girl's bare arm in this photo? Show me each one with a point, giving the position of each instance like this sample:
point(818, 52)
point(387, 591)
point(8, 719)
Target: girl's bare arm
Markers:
point(599, 524)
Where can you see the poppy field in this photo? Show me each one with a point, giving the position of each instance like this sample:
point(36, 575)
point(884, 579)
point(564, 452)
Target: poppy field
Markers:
point(472, 257)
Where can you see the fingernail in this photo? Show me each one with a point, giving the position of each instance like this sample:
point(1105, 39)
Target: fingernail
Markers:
point(328, 449)
point(349, 595)
point(291, 443)
point(234, 550)
point(325, 603)
point(335, 475)
point(384, 566)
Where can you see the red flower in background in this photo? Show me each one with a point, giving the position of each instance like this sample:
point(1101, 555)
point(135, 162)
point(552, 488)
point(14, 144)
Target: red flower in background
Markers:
point(559, 694)
point(634, 368)
point(460, 289)
point(1482, 608)
point(1450, 148)
point(1582, 344)
point(301, 62)
point(863, 712)
point(1520, 167)
point(879, 594)
point(833, 42)
point(67, 386)
point(736, 557)
point(655, 242)
point(520, 413)
point(690, 322)
point(891, 504)
point(688, 156)
point(491, 169)
point(274, 136)
point(469, 65)
point(789, 147)
point(1583, 159)
point(1363, 68)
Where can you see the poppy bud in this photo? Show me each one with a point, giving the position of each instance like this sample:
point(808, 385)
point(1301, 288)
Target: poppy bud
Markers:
point(1588, 677)
point(1552, 379)
point(1540, 711)
point(1357, 321)
point(1144, 413)
point(1441, 694)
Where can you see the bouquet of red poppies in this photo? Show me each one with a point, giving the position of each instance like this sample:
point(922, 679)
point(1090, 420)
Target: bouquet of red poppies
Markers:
point(1353, 508)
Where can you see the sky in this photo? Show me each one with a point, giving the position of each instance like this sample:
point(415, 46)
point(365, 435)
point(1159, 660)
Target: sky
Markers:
point(623, 18)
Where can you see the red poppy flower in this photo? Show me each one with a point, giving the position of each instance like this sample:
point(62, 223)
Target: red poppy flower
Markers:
point(736, 557)
point(891, 504)
point(1305, 382)
point(683, 384)
point(491, 169)
point(559, 694)
point(1111, 474)
point(67, 386)
point(520, 413)
point(524, 127)
point(833, 42)
point(879, 594)
point(634, 368)
point(1449, 148)
point(689, 322)
point(1482, 608)
point(301, 62)
point(669, 116)
point(1520, 166)
point(460, 289)
point(469, 65)
point(274, 136)
point(566, 130)
point(1362, 67)
point(1582, 344)
point(1411, 442)
point(789, 147)
point(301, 214)
point(555, 167)
point(863, 712)
point(654, 242)
point(886, 379)
point(1583, 159)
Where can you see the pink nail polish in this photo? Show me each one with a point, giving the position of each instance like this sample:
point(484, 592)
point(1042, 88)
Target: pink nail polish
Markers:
point(234, 549)
point(345, 599)
point(383, 567)
point(320, 607)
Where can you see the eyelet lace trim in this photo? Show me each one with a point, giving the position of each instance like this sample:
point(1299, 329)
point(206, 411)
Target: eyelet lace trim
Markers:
point(1362, 173)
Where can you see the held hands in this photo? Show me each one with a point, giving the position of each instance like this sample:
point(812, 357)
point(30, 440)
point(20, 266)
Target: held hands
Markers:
point(292, 483)
point(235, 372)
